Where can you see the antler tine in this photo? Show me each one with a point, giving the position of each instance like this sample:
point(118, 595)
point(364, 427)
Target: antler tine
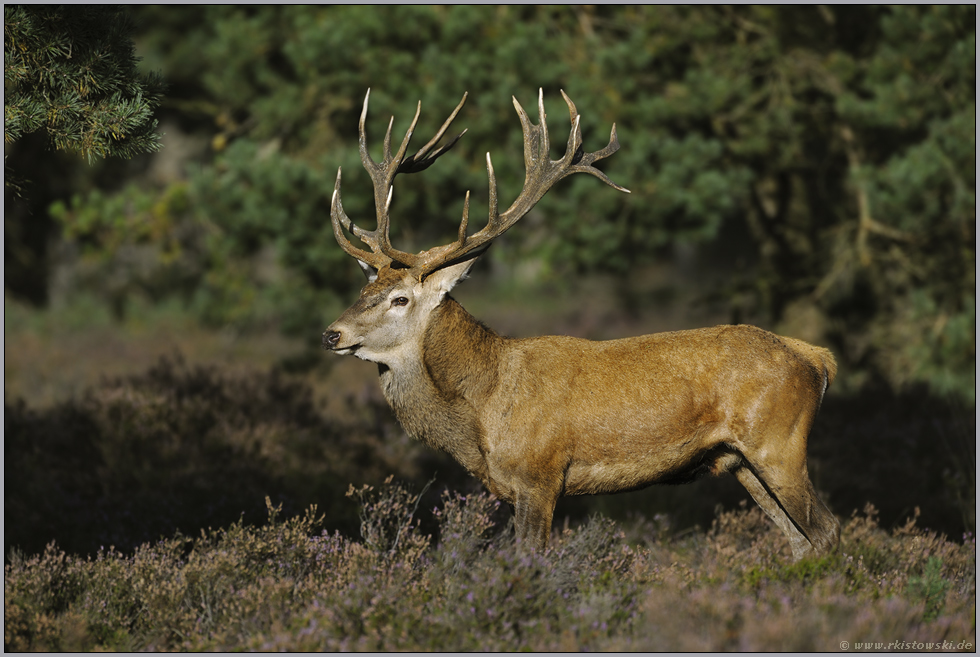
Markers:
point(366, 160)
point(494, 216)
point(386, 144)
point(396, 162)
point(338, 218)
point(584, 165)
point(466, 218)
point(364, 108)
point(531, 149)
point(583, 161)
point(575, 136)
point(423, 159)
point(542, 130)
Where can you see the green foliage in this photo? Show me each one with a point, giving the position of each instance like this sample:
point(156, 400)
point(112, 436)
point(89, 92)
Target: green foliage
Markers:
point(805, 571)
point(840, 138)
point(71, 71)
point(218, 241)
point(131, 244)
point(287, 585)
point(931, 588)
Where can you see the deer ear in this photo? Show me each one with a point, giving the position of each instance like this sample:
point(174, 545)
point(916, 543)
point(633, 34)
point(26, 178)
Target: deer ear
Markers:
point(370, 272)
point(446, 278)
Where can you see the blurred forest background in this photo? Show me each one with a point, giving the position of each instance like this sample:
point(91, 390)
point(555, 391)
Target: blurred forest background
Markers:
point(168, 172)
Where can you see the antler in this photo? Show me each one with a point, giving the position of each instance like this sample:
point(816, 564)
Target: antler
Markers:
point(541, 174)
point(383, 174)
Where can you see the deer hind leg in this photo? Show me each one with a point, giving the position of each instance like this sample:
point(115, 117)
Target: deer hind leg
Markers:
point(779, 483)
point(798, 542)
point(796, 494)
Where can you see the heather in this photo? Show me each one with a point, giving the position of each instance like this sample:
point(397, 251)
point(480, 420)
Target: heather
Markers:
point(291, 585)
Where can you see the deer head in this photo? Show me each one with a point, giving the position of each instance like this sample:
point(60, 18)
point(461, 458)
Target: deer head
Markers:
point(387, 320)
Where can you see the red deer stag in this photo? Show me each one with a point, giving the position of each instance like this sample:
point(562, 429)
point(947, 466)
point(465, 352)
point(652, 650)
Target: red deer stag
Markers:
point(537, 418)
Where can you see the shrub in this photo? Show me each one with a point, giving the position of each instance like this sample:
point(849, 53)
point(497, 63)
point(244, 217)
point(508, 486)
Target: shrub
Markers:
point(290, 585)
point(181, 448)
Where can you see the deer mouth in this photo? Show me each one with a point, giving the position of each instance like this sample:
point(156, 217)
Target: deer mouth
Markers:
point(331, 342)
point(343, 350)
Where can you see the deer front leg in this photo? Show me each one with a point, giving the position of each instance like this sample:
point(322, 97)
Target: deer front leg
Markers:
point(533, 511)
point(527, 468)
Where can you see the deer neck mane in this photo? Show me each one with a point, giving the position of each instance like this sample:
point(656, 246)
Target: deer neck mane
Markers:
point(437, 396)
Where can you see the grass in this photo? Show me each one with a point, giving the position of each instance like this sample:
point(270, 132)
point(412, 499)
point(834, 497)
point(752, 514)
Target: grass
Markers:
point(54, 356)
point(289, 585)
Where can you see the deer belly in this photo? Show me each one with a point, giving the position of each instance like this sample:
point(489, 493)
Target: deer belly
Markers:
point(626, 464)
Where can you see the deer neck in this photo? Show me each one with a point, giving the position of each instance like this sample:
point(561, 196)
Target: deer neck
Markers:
point(437, 393)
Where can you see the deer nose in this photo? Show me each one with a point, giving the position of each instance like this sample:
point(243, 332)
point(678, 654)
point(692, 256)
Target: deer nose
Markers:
point(330, 339)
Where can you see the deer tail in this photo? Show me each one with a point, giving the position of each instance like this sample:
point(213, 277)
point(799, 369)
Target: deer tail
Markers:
point(821, 358)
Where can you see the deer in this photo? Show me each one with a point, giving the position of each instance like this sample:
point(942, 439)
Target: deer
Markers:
point(538, 418)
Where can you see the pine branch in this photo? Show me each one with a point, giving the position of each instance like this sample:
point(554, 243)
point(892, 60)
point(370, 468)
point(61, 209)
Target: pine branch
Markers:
point(72, 71)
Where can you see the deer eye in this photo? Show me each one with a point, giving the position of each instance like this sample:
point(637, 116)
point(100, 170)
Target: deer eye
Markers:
point(399, 301)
